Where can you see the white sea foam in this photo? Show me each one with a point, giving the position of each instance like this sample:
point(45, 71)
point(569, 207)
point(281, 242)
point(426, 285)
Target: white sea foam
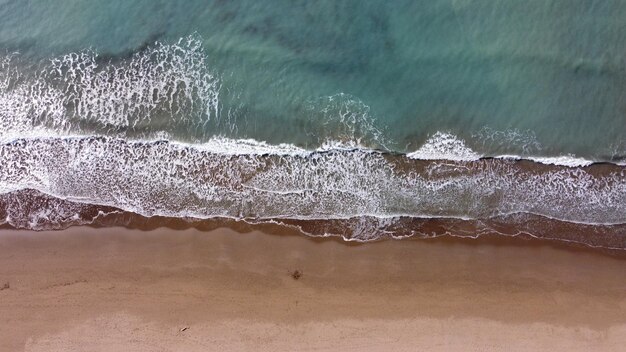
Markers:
point(78, 94)
point(570, 160)
point(167, 88)
point(342, 121)
point(444, 146)
point(229, 146)
point(65, 130)
point(492, 139)
point(257, 181)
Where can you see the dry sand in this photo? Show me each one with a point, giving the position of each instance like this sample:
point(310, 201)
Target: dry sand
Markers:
point(87, 289)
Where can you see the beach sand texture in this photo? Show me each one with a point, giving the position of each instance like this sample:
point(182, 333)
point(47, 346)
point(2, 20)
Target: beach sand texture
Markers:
point(86, 289)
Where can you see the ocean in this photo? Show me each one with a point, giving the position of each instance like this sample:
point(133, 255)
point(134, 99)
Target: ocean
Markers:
point(359, 119)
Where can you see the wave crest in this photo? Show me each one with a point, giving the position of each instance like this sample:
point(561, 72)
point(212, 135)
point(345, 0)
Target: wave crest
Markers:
point(166, 86)
point(343, 121)
point(174, 179)
point(29, 209)
point(444, 146)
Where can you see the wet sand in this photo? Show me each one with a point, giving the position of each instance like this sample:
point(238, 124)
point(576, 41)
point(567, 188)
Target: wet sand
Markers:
point(86, 289)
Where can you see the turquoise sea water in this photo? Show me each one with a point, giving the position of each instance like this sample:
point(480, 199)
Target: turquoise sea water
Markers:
point(544, 77)
point(375, 118)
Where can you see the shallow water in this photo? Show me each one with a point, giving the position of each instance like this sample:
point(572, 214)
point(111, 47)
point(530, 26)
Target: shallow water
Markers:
point(303, 110)
point(514, 77)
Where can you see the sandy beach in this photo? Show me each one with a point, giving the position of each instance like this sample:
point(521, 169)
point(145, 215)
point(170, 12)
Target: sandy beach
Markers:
point(86, 289)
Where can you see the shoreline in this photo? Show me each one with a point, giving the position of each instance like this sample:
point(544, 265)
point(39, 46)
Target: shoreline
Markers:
point(34, 210)
point(117, 289)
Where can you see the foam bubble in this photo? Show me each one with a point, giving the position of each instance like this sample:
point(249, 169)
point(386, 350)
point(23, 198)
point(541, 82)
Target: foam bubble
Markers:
point(344, 121)
point(444, 146)
point(570, 160)
point(166, 85)
point(168, 92)
point(52, 123)
point(253, 180)
point(494, 140)
point(229, 146)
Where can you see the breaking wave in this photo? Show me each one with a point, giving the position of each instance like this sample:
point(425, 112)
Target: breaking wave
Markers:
point(165, 88)
point(82, 139)
point(262, 181)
